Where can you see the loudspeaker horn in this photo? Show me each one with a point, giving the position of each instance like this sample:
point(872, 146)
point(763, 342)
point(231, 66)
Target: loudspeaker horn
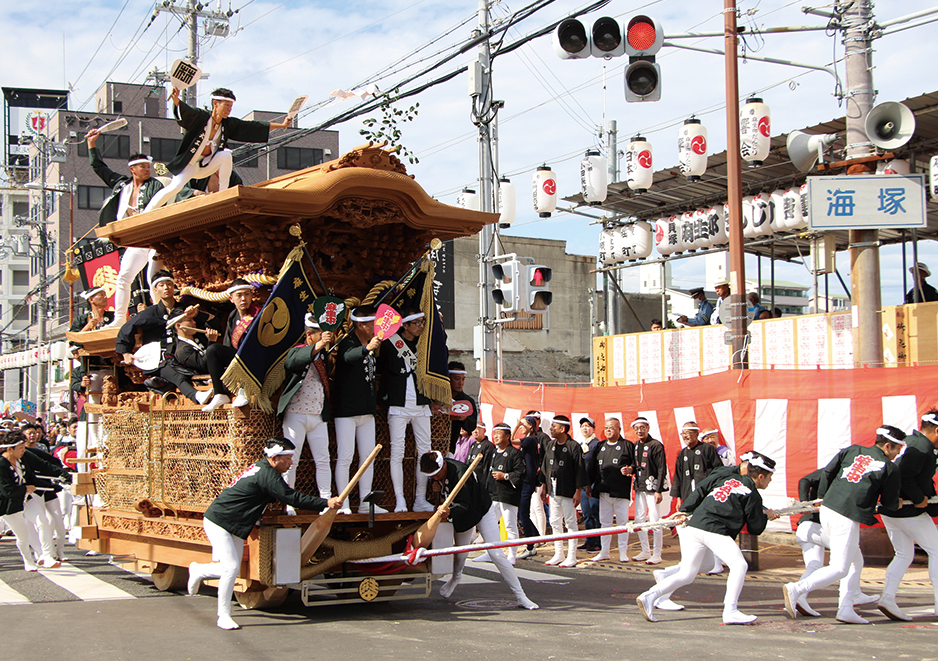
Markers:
point(804, 149)
point(889, 125)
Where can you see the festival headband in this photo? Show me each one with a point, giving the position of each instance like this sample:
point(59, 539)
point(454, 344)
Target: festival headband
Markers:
point(639, 421)
point(310, 321)
point(502, 425)
point(690, 428)
point(277, 450)
point(439, 464)
point(759, 463)
point(457, 372)
point(217, 97)
point(162, 279)
point(565, 423)
point(712, 432)
point(882, 431)
point(930, 417)
point(481, 425)
point(9, 445)
point(355, 317)
point(746, 456)
point(233, 288)
point(91, 292)
point(413, 317)
point(138, 161)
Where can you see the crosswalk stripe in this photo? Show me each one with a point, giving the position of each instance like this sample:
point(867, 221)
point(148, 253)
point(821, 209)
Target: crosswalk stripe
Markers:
point(526, 574)
point(83, 585)
point(10, 597)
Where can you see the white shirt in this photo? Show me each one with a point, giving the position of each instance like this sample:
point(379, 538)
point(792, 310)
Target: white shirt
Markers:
point(124, 202)
point(206, 140)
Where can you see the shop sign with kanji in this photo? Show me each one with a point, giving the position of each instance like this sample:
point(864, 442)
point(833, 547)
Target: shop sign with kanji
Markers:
point(891, 201)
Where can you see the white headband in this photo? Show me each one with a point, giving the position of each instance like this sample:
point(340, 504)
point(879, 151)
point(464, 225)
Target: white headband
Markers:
point(457, 371)
point(882, 431)
point(412, 317)
point(746, 456)
point(161, 279)
point(709, 433)
point(930, 417)
point(10, 445)
point(145, 159)
point(222, 98)
point(690, 428)
point(276, 451)
point(502, 425)
point(481, 425)
point(91, 292)
point(565, 423)
point(233, 288)
point(311, 321)
point(439, 464)
point(639, 421)
point(758, 462)
point(353, 317)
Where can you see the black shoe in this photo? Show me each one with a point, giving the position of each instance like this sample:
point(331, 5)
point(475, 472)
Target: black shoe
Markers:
point(156, 384)
point(584, 547)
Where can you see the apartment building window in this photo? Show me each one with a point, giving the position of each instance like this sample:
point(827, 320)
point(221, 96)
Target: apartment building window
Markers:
point(21, 278)
point(109, 146)
point(245, 159)
point(297, 158)
point(92, 197)
point(163, 149)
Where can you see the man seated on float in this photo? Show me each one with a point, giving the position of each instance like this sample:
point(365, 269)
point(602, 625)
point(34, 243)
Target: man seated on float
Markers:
point(207, 185)
point(152, 323)
point(129, 196)
point(204, 147)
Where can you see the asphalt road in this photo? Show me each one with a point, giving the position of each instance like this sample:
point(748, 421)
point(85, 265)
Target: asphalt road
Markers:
point(586, 613)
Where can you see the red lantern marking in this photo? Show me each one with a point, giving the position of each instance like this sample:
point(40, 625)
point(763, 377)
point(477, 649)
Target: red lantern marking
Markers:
point(699, 144)
point(549, 186)
point(764, 126)
point(644, 159)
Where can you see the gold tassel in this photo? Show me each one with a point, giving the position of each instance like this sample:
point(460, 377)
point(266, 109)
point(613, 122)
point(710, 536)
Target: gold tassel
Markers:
point(237, 376)
point(274, 380)
point(295, 255)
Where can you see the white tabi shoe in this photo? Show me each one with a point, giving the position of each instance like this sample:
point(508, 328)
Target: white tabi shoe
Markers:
point(653, 560)
point(485, 557)
point(646, 603)
point(865, 599)
point(601, 557)
point(289, 510)
point(225, 622)
point(527, 553)
point(195, 580)
point(569, 562)
point(202, 396)
point(803, 608)
point(890, 609)
point(527, 604)
point(240, 399)
point(556, 560)
point(217, 400)
point(344, 510)
point(447, 590)
point(641, 557)
point(792, 595)
point(848, 616)
point(363, 509)
point(735, 617)
point(665, 604)
point(422, 505)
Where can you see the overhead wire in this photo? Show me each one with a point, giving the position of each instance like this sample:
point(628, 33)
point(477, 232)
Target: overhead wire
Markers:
point(98, 49)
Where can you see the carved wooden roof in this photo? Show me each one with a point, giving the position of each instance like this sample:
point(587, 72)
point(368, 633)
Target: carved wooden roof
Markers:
point(362, 216)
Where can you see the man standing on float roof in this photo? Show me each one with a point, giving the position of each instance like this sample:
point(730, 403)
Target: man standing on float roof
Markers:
point(204, 149)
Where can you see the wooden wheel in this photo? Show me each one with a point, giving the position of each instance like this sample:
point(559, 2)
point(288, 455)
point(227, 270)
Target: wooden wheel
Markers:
point(260, 599)
point(170, 577)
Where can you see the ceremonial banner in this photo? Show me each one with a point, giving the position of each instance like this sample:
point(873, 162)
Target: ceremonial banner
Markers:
point(98, 263)
point(432, 353)
point(280, 325)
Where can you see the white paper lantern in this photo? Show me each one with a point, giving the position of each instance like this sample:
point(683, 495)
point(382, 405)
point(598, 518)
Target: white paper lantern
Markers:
point(792, 218)
point(676, 235)
point(662, 243)
point(606, 257)
point(777, 202)
point(896, 166)
point(641, 239)
point(593, 172)
point(507, 202)
point(716, 216)
point(805, 206)
point(749, 230)
point(762, 210)
point(702, 229)
point(469, 199)
point(544, 190)
point(755, 132)
point(726, 219)
point(688, 238)
point(626, 243)
point(639, 170)
point(692, 149)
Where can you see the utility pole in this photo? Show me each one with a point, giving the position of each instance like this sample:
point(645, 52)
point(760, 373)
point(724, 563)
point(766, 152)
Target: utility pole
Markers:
point(482, 102)
point(734, 176)
point(217, 24)
point(864, 244)
point(43, 313)
point(610, 291)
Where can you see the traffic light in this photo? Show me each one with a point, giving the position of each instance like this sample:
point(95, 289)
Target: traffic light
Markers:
point(539, 295)
point(643, 40)
point(509, 290)
point(607, 38)
point(571, 41)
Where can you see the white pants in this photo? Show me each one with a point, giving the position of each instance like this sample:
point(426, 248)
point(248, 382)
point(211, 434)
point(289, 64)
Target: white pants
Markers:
point(221, 162)
point(35, 512)
point(132, 262)
point(510, 514)
point(537, 513)
point(488, 528)
point(397, 427)
point(296, 428)
point(348, 431)
point(905, 533)
point(56, 523)
point(21, 528)
point(562, 510)
point(646, 509)
point(609, 506)
point(698, 545)
point(846, 560)
point(227, 551)
point(813, 540)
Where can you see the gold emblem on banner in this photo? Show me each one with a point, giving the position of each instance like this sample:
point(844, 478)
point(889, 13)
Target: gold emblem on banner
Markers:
point(368, 589)
point(105, 277)
point(275, 322)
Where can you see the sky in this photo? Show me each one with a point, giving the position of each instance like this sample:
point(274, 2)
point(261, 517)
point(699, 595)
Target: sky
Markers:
point(553, 108)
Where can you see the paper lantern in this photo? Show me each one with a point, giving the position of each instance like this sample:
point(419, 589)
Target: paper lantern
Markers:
point(544, 191)
point(468, 199)
point(762, 209)
point(895, 166)
point(638, 165)
point(692, 149)
point(755, 131)
point(593, 172)
point(792, 218)
point(777, 202)
point(716, 216)
point(507, 202)
point(805, 206)
point(688, 238)
point(702, 229)
point(676, 234)
point(641, 239)
point(749, 230)
point(606, 257)
point(662, 236)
